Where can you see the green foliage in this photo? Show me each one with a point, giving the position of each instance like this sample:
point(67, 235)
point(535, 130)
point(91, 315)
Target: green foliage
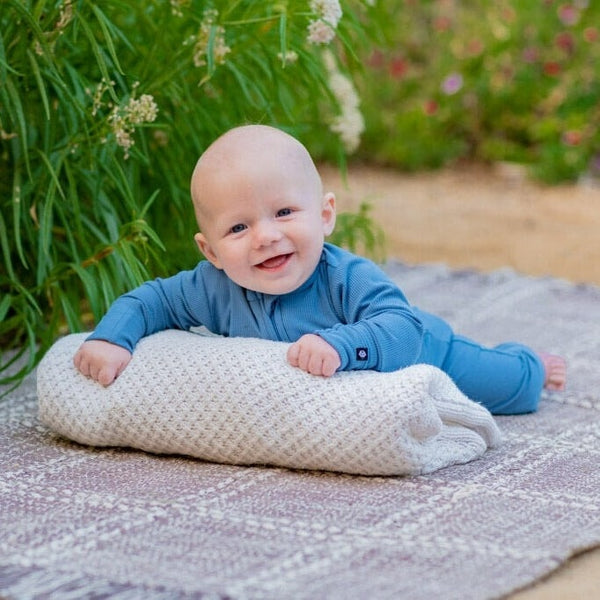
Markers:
point(358, 233)
point(104, 109)
point(498, 81)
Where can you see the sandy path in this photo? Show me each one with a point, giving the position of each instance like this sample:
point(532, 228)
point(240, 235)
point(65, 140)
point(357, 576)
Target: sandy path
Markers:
point(486, 218)
point(480, 217)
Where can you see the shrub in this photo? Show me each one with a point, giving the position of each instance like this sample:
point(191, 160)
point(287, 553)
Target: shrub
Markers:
point(104, 109)
point(494, 81)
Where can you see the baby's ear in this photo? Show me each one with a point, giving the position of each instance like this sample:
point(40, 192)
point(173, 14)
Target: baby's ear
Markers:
point(328, 213)
point(206, 249)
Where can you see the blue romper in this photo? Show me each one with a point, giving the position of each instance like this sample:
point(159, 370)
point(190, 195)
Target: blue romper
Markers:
point(350, 303)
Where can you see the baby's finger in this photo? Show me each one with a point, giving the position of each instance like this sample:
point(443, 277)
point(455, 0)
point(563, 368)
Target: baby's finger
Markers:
point(330, 366)
point(82, 365)
point(314, 364)
point(120, 369)
point(304, 359)
point(292, 355)
point(93, 372)
point(106, 376)
point(80, 361)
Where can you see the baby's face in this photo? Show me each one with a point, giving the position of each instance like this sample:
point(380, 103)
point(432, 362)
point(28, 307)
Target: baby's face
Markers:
point(265, 226)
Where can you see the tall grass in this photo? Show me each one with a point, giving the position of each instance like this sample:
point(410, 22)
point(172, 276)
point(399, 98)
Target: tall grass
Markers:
point(104, 109)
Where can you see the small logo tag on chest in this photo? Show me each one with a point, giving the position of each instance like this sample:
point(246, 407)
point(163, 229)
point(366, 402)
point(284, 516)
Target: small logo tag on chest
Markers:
point(362, 354)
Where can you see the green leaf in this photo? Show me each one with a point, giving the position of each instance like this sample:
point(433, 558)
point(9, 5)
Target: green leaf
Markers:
point(17, 211)
point(6, 249)
point(17, 106)
point(106, 26)
point(283, 37)
point(4, 306)
point(40, 83)
point(97, 51)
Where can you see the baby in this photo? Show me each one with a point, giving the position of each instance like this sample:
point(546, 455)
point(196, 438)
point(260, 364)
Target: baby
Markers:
point(263, 219)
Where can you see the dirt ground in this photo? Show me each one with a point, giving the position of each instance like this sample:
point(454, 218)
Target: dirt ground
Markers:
point(480, 217)
point(487, 218)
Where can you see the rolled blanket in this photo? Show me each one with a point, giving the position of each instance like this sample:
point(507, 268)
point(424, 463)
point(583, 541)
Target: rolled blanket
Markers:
point(238, 401)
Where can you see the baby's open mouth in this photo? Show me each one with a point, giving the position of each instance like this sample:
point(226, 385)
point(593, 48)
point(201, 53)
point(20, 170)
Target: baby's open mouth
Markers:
point(275, 262)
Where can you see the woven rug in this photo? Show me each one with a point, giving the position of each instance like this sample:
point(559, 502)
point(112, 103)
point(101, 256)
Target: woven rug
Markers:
point(77, 522)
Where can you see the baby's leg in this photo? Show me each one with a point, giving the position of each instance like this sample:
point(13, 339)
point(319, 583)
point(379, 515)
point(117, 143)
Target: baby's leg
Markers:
point(507, 379)
point(556, 371)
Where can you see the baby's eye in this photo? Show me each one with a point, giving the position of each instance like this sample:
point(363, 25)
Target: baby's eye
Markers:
point(284, 212)
point(238, 228)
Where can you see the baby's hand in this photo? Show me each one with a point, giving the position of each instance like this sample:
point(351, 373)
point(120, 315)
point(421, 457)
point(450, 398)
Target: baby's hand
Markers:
point(101, 361)
point(314, 355)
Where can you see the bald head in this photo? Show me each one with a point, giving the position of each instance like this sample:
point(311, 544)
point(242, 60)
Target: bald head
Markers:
point(246, 152)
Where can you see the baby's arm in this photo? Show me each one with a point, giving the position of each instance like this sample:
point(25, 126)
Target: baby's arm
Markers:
point(314, 355)
point(377, 328)
point(154, 306)
point(101, 361)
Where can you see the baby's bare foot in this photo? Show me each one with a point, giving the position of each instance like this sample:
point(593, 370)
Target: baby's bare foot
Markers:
point(556, 371)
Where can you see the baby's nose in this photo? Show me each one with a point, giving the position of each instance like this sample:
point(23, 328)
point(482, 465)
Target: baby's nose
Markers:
point(266, 233)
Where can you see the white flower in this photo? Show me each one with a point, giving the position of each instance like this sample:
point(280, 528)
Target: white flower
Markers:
point(143, 110)
point(320, 33)
point(98, 102)
point(329, 10)
point(220, 48)
point(290, 56)
point(66, 15)
point(349, 124)
point(124, 119)
point(322, 29)
point(177, 7)
point(122, 133)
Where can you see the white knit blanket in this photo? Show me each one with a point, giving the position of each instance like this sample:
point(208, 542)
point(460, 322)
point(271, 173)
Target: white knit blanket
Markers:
point(236, 400)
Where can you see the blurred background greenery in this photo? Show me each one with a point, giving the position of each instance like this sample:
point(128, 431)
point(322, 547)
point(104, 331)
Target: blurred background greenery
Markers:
point(493, 81)
point(105, 107)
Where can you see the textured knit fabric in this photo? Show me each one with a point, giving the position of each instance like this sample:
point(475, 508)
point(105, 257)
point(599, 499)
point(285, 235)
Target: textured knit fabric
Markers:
point(350, 303)
point(213, 398)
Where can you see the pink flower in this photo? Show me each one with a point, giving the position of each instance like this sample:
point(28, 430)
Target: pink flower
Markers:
point(509, 14)
point(430, 107)
point(442, 24)
point(565, 41)
point(377, 59)
point(590, 34)
point(398, 67)
point(475, 47)
point(452, 84)
point(530, 54)
point(568, 14)
point(572, 137)
point(552, 68)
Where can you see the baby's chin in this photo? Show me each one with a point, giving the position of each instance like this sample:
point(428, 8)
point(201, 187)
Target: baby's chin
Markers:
point(276, 287)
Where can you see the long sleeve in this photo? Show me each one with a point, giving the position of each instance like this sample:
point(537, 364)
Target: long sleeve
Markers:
point(188, 299)
point(377, 329)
